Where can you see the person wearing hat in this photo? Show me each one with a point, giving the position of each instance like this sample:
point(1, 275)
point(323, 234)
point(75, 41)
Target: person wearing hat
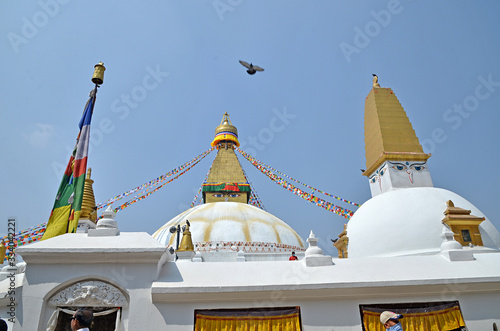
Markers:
point(391, 321)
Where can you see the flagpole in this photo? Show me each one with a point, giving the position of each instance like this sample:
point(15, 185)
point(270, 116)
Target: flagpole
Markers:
point(97, 79)
point(67, 206)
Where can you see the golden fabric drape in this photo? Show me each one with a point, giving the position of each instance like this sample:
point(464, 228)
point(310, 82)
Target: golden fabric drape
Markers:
point(439, 319)
point(248, 320)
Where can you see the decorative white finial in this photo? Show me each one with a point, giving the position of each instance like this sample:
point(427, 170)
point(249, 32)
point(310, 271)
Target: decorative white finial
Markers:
point(449, 242)
point(241, 256)
point(314, 256)
point(106, 226)
point(451, 249)
point(313, 241)
point(108, 213)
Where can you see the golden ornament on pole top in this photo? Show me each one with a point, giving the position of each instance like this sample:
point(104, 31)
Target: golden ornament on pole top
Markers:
point(98, 77)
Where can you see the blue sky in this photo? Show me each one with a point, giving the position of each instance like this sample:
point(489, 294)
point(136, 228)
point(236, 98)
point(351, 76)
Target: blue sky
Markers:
point(178, 62)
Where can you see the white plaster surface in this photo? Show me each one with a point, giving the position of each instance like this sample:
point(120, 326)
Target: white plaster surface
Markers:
point(408, 221)
point(128, 261)
point(389, 177)
point(137, 247)
point(231, 221)
point(338, 314)
point(370, 272)
point(329, 296)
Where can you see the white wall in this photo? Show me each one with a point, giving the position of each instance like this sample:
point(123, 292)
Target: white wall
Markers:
point(42, 281)
point(480, 310)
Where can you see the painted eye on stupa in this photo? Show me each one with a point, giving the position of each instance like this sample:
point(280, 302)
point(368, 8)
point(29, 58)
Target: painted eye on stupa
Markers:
point(382, 172)
point(373, 179)
point(218, 195)
point(418, 166)
point(399, 166)
point(234, 195)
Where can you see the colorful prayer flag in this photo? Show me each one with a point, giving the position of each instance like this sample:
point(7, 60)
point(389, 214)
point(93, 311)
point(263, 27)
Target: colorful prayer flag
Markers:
point(68, 204)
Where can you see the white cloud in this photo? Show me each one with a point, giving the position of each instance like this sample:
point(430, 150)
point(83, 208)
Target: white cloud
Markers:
point(40, 137)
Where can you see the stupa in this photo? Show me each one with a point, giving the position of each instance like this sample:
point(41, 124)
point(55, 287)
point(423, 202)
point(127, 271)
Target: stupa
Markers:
point(405, 214)
point(226, 222)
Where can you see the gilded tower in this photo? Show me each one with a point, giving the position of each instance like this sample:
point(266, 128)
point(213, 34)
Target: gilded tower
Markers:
point(226, 180)
point(394, 156)
point(89, 209)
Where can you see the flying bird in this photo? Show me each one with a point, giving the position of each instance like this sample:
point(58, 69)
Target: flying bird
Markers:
point(251, 68)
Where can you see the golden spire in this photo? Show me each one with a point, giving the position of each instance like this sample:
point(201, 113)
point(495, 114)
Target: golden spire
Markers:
point(389, 134)
point(186, 241)
point(89, 209)
point(226, 180)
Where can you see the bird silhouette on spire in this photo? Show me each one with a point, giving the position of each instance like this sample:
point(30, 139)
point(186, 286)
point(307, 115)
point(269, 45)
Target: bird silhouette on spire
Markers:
point(375, 81)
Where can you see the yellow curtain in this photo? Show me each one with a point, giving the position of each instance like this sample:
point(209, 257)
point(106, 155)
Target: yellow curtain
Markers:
point(247, 320)
point(437, 320)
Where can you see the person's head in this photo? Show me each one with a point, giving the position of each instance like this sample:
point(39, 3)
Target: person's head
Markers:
point(389, 319)
point(293, 253)
point(3, 325)
point(82, 318)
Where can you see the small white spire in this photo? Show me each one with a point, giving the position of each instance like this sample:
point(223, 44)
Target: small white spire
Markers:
point(109, 213)
point(451, 249)
point(106, 226)
point(314, 256)
point(241, 256)
point(312, 240)
point(449, 243)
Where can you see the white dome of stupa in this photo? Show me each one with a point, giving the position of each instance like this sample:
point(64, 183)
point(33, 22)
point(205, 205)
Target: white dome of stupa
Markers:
point(234, 224)
point(408, 221)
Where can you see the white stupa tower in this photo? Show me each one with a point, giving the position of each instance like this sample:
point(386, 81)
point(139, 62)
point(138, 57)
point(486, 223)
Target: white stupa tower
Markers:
point(406, 213)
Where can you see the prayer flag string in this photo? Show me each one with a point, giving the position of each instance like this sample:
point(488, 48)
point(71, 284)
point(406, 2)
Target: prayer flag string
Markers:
point(308, 186)
point(35, 233)
point(21, 238)
point(346, 213)
point(197, 198)
point(147, 186)
point(254, 198)
point(142, 196)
